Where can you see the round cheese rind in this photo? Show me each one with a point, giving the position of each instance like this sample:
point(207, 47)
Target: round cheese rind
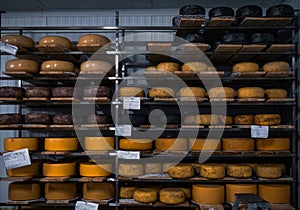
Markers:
point(168, 67)
point(171, 196)
point(194, 67)
point(232, 189)
point(93, 40)
point(130, 169)
point(244, 119)
point(18, 191)
point(127, 192)
point(145, 195)
point(221, 92)
point(161, 92)
point(60, 191)
point(273, 144)
point(251, 92)
point(22, 65)
point(239, 170)
point(99, 143)
point(245, 67)
point(275, 93)
point(31, 170)
point(98, 191)
point(268, 171)
point(18, 40)
point(208, 119)
point(131, 92)
point(225, 120)
point(11, 144)
point(208, 194)
point(276, 66)
point(55, 41)
point(210, 144)
point(172, 144)
point(92, 170)
point(57, 65)
point(95, 65)
point(59, 169)
point(192, 92)
point(237, 144)
point(181, 171)
point(135, 144)
point(212, 171)
point(275, 193)
point(152, 168)
point(61, 144)
point(267, 119)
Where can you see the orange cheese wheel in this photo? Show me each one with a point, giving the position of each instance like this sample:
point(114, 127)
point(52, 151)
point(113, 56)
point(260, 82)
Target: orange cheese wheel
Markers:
point(221, 92)
point(268, 171)
point(237, 144)
point(250, 92)
point(192, 92)
point(267, 119)
point(161, 92)
point(11, 144)
point(56, 65)
point(205, 144)
point(18, 40)
point(212, 171)
point(131, 92)
point(181, 171)
point(145, 195)
point(275, 193)
point(208, 194)
point(92, 169)
point(273, 144)
point(232, 189)
point(172, 144)
point(275, 93)
point(60, 191)
point(59, 169)
point(55, 41)
point(245, 67)
point(194, 67)
point(98, 191)
point(172, 196)
point(276, 66)
point(31, 170)
point(99, 143)
point(61, 144)
point(22, 65)
point(18, 191)
point(93, 40)
point(244, 119)
point(92, 65)
point(136, 144)
point(127, 192)
point(168, 67)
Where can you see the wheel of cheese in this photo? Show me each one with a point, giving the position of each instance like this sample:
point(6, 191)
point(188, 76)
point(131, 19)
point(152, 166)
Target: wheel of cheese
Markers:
point(221, 92)
point(59, 168)
point(145, 195)
point(31, 170)
point(131, 92)
point(232, 189)
point(151, 68)
point(37, 92)
point(187, 191)
point(92, 170)
point(135, 144)
point(267, 119)
point(210, 144)
point(225, 120)
point(56, 65)
point(11, 144)
point(208, 194)
point(208, 119)
point(93, 40)
point(237, 144)
point(194, 67)
point(168, 67)
point(18, 40)
point(239, 170)
point(22, 65)
point(10, 118)
point(172, 144)
point(99, 143)
point(276, 66)
point(275, 93)
point(161, 92)
point(268, 171)
point(250, 92)
point(273, 144)
point(18, 191)
point(192, 92)
point(60, 191)
point(171, 196)
point(153, 168)
point(61, 144)
point(275, 193)
point(98, 191)
point(245, 67)
point(95, 65)
point(55, 41)
point(127, 192)
point(11, 92)
point(212, 171)
point(130, 169)
point(181, 171)
point(244, 119)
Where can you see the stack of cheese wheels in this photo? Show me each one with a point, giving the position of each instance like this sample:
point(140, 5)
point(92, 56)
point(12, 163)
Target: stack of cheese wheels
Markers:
point(195, 66)
point(99, 143)
point(18, 40)
point(168, 67)
point(57, 65)
point(152, 168)
point(131, 169)
point(95, 66)
point(22, 65)
point(98, 191)
point(276, 66)
point(20, 191)
point(59, 168)
point(275, 193)
point(92, 40)
point(161, 92)
point(135, 144)
point(131, 92)
point(60, 191)
point(275, 93)
point(172, 196)
point(269, 171)
point(204, 144)
point(239, 170)
point(244, 119)
point(90, 169)
point(192, 92)
point(145, 195)
point(245, 67)
point(31, 170)
point(212, 171)
point(273, 144)
point(55, 41)
point(181, 171)
point(237, 144)
point(221, 93)
point(208, 194)
point(172, 144)
point(267, 119)
point(11, 144)
point(232, 189)
point(126, 192)
point(61, 144)
point(251, 92)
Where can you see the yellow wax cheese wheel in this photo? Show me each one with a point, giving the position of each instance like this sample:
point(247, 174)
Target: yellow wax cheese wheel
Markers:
point(194, 67)
point(55, 41)
point(131, 92)
point(60, 191)
point(145, 195)
point(11, 144)
point(269, 171)
point(181, 171)
point(93, 40)
point(208, 194)
point(276, 66)
point(161, 92)
point(273, 144)
point(99, 143)
point(267, 119)
point(275, 193)
point(130, 169)
point(22, 65)
point(93, 169)
point(212, 171)
point(61, 144)
point(232, 189)
point(192, 92)
point(245, 67)
point(244, 119)
point(239, 170)
point(18, 191)
point(168, 67)
point(205, 144)
point(91, 65)
point(98, 191)
point(237, 144)
point(136, 144)
point(31, 170)
point(172, 144)
point(59, 169)
point(127, 192)
point(18, 40)
point(56, 65)
point(251, 92)
point(172, 196)
point(152, 168)
point(221, 92)
point(275, 93)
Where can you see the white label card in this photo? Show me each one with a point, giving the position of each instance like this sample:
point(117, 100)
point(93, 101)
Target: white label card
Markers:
point(128, 155)
point(82, 205)
point(11, 49)
point(123, 130)
point(16, 159)
point(259, 131)
point(133, 103)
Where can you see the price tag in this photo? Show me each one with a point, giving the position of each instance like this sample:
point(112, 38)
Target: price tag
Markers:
point(133, 103)
point(259, 131)
point(128, 155)
point(82, 205)
point(16, 159)
point(123, 130)
point(11, 49)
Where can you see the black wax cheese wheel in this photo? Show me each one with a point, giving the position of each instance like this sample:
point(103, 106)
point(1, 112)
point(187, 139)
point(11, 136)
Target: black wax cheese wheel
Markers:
point(234, 38)
point(192, 10)
point(261, 38)
point(281, 10)
point(248, 11)
point(221, 11)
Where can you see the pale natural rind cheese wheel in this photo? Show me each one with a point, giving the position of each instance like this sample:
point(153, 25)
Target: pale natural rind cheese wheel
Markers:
point(31, 170)
point(61, 144)
point(151, 68)
point(135, 144)
point(212, 171)
point(192, 92)
point(276, 66)
point(232, 189)
point(145, 195)
point(181, 171)
point(57, 65)
point(130, 169)
point(60, 191)
point(98, 191)
point(208, 194)
point(99, 143)
point(267, 119)
point(171, 144)
point(275, 93)
point(172, 196)
point(161, 92)
point(237, 144)
point(18, 191)
point(168, 67)
point(244, 119)
point(205, 144)
point(18, 40)
point(127, 192)
point(221, 92)
point(194, 67)
point(11, 144)
point(273, 144)
point(245, 67)
point(94, 169)
point(95, 66)
point(268, 171)
point(251, 92)
point(93, 40)
point(59, 169)
point(55, 41)
point(22, 65)
point(239, 170)
point(152, 168)
point(131, 92)
point(275, 193)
